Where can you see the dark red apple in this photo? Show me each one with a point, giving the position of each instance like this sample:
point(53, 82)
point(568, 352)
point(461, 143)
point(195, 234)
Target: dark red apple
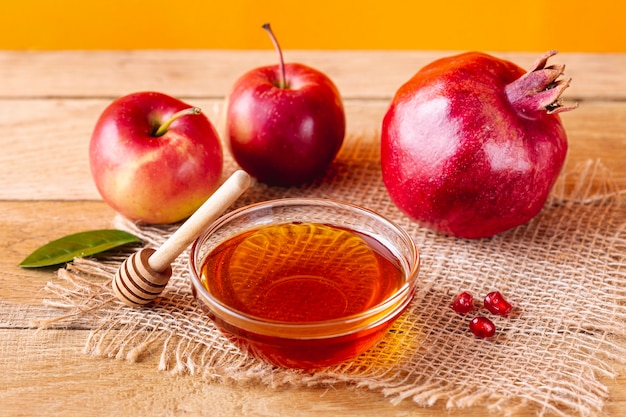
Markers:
point(154, 158)
point(472, 145)
point(284, 123)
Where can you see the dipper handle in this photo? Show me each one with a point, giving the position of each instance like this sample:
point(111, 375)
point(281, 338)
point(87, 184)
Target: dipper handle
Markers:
point(142, 276)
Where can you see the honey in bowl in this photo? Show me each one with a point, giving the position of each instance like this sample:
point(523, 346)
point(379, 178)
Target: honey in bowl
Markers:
point(304, 283)
point(301, 272)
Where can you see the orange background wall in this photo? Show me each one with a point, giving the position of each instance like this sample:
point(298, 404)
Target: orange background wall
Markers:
point(491, 25)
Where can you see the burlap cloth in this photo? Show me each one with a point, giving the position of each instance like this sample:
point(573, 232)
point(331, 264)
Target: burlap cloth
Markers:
point(565, 273)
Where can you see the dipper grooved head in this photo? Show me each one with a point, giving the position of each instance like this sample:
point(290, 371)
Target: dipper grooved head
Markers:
point(136, 283)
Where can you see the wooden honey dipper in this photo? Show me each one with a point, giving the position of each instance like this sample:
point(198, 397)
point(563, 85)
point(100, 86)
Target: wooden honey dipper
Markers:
point(142, 277)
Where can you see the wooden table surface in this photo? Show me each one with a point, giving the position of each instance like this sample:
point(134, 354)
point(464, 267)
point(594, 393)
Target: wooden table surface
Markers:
point(49, 102)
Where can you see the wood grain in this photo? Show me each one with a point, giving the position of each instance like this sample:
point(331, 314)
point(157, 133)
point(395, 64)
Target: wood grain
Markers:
point(48, 105)
point(199, 74)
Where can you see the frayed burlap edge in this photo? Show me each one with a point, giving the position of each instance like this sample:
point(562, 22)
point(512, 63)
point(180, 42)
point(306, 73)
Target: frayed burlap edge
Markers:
point(424, 357)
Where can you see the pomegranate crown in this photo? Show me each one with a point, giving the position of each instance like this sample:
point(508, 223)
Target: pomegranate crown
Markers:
point(540, 88)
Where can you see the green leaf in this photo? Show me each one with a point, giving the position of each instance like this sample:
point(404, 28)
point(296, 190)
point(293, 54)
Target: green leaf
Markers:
point(77, 245)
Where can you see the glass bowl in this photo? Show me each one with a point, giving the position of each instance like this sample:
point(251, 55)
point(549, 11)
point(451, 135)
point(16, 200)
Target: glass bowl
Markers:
point(304, 283)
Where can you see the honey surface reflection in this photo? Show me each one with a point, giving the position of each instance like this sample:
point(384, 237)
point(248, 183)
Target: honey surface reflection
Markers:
point(301, 272)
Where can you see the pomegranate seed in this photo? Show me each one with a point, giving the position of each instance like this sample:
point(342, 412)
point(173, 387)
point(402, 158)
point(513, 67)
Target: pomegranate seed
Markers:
point(463, 303)
point(482, 327)
point(497, 304)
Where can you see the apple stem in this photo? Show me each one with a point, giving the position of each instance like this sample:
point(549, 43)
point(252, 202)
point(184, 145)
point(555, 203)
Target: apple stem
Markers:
point(160, 130)
point(282, 82)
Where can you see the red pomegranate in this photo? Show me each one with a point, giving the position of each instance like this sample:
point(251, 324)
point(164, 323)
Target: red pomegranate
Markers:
point(472, 145)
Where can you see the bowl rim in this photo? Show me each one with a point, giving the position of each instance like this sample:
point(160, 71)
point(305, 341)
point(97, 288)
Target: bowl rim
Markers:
point(315, 329)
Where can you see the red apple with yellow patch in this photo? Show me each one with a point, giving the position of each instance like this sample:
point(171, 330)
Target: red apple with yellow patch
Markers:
point(155, 158)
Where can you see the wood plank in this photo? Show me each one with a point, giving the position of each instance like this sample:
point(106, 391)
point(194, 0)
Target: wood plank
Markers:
point(210, 73)
point(49, 140)
point(55, 365)
point(46, 373)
